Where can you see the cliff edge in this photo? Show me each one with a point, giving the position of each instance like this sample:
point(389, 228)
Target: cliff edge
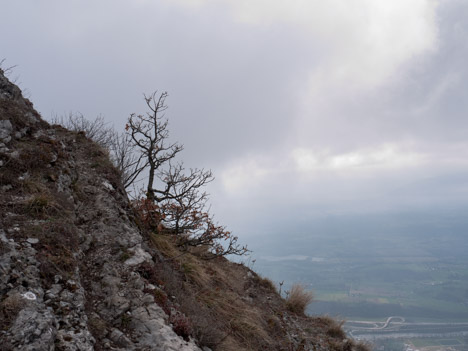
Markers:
point(78, 270)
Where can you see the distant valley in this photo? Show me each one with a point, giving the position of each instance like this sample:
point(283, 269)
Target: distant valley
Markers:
point(371, 268)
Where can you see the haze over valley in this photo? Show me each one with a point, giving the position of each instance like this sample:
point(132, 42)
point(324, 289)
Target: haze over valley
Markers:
point(336, 133)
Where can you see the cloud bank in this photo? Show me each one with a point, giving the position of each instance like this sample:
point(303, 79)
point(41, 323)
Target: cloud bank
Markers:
point(299, 107)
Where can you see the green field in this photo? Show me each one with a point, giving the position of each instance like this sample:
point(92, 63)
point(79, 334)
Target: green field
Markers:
point(424, 342)
point(417, 271)
point(429, 343)
point(449, 342)
point(426, 290)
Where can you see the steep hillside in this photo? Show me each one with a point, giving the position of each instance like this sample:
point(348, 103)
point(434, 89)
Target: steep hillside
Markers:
point(78, 270)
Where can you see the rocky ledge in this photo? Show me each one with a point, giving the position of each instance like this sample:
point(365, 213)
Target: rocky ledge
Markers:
point(68, 244)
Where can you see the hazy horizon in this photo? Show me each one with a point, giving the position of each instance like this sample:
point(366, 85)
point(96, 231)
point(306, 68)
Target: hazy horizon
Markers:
point(302, 110)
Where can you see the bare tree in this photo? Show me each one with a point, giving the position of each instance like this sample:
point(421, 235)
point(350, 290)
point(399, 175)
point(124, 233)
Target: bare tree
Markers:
point(97, 130)
point(176, 201)
point(120, 147)
point(6, 70)
point(149, 134)
point(125, 158)
point(199, 228)
point(183, 196)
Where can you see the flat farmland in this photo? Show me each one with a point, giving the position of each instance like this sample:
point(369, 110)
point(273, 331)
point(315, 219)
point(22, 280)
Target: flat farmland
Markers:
point(417, 270)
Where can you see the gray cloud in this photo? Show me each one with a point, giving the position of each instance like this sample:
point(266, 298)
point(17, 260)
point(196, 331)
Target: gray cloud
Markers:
point(314, 111)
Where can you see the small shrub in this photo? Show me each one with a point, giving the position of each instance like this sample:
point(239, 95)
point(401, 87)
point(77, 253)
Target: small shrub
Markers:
point(181, 325)
point(160, 297)
point(149, 272)
point(149, 214)
point(335, 330)
point(298, 299)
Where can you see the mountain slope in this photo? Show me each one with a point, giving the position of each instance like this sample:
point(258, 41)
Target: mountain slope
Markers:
point(79, 272)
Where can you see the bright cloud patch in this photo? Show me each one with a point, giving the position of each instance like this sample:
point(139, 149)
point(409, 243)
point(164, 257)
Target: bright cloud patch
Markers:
point(386, 156)
point(242, 175)
point(248, 175)
point(363, 41)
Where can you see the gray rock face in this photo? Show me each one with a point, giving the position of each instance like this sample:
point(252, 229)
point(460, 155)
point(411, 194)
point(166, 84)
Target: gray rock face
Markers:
point(6, 128)
point(34, 329)
point(69, 253)
point(8, 90)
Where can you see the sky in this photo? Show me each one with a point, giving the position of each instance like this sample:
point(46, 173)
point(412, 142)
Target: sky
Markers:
point(302, 108)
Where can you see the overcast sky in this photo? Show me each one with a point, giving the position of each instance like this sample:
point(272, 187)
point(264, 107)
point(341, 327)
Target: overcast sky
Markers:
point(302, 108)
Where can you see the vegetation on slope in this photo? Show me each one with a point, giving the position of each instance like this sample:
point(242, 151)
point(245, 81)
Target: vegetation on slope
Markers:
point(226, 306)
point(61, 197)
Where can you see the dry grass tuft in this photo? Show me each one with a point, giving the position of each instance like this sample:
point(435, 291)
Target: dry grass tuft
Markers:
point(15, 113)
point(97, 326)
point(9, 309)
point(362, 346)
point(57, 242)
point(335, 330)
point(266, 283)
point(226, 307)
point(207, 293)
point(298, 299)
point(163, 244)
point(100, 161)
point(41, 205)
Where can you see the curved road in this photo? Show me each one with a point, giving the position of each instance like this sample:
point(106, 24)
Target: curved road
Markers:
point(389, 319)
point(376, 326)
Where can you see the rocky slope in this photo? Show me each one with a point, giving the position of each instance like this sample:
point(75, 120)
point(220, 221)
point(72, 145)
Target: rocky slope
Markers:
point(65, 223)
point(77, 272)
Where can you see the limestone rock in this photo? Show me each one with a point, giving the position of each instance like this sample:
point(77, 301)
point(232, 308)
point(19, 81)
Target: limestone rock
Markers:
point(63, 283)
point(6, 128)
